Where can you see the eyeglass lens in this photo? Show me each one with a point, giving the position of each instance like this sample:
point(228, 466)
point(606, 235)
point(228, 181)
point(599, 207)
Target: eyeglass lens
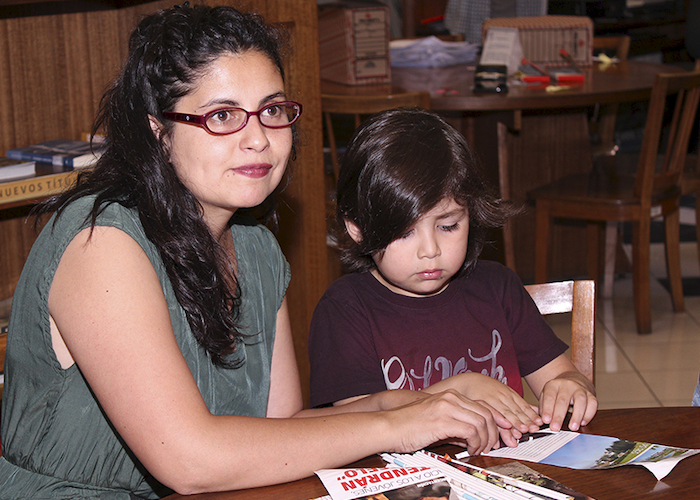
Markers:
point(275, 115)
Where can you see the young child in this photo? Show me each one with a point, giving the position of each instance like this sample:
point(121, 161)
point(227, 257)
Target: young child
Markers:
point(418, 310)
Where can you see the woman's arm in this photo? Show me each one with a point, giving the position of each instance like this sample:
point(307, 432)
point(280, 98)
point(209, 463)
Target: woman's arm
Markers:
point(285, 398)
point(109, 308)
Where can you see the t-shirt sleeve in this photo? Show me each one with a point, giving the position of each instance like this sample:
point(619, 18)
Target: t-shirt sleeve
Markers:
point(342, 355)
point(281, 266)
point(535, 342)
point(271, 265)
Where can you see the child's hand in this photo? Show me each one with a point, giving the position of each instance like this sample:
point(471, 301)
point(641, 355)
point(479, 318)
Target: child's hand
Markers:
point(560, 385)
point(569, 389)
point(497, 396)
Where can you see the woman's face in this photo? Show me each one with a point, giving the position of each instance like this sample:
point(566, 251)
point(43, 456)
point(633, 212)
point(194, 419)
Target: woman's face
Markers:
point(239, 170)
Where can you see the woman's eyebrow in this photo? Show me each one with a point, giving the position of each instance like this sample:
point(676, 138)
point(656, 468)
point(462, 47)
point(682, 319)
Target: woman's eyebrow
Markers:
point(223, 101)
point(272, 97)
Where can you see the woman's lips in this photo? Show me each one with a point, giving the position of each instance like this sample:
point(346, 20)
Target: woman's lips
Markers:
point(254, 171)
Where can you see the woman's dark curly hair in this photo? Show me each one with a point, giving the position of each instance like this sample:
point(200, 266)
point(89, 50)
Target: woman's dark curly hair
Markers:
point(169, 51)
point(399, 165)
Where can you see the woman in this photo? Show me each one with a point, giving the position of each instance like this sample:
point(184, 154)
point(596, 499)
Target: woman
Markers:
point(149, 333)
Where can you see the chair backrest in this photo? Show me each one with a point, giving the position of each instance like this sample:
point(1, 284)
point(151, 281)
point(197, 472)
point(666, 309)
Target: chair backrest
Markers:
point(359, 105)
point(3, 348)
point(618, 46)
point(692, 34)
point(577, 297)
point(602, 122)
point(654, 176)
point(503, 135)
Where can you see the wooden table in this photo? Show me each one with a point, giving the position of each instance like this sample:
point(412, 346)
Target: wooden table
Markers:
point(552, 144)
point(669, 426)
point(451, 88)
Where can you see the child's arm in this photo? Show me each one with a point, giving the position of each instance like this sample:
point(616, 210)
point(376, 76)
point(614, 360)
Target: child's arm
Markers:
point(560, 385)
point(497, 396)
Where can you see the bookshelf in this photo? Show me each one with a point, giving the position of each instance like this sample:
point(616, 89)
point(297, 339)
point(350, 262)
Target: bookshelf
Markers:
point(58, 58)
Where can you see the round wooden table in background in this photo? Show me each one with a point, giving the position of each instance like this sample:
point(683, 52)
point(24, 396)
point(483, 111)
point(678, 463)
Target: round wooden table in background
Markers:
point(549, 122)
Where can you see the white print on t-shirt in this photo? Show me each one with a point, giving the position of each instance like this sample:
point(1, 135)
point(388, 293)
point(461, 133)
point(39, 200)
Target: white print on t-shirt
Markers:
point(405, 380)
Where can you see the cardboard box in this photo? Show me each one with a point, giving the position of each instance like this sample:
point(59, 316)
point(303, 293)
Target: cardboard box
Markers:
point(354, 43)
point(541, 37)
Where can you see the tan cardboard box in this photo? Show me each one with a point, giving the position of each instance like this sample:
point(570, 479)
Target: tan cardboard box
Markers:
point(354, 43)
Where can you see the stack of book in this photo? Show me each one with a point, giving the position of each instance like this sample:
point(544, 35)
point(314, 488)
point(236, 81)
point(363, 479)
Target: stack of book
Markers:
point(11, 169)
point(62, 152)
point(44, 169)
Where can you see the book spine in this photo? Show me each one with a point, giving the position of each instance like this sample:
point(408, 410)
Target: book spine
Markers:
point(16, 154)
point(35, 187)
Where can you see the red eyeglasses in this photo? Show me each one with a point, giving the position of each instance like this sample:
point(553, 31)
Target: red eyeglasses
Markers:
point(226, 121)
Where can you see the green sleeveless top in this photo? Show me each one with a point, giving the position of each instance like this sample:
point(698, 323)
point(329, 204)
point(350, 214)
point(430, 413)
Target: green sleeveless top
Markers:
point(56, 442)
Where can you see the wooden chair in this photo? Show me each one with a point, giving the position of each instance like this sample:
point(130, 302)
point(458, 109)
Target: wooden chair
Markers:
point(602, 123)
point(503, 135)
point(601, 128)
point(690, 184)
point(3, 348)
point(578, 298)
point(359, 105)
point(610, 194)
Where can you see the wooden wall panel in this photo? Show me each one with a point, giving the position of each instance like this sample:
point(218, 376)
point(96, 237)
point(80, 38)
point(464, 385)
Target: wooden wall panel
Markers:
point(53, 71)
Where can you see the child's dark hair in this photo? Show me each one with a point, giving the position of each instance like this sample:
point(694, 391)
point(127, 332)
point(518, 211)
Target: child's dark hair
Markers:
point(399, 165)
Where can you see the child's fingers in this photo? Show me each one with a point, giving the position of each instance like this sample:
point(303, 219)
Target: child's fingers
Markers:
point(522, 415)
point(525, 420)
point(554, 406)
point(584, 408)
point(498, 417)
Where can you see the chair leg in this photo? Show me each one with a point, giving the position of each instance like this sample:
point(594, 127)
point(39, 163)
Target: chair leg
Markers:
point(542, 236)
point(593, 252)
point(673, 259)
point(640, 274)
point(697, 218)
point(332, 144)
point(611, 241)
point(509, 245)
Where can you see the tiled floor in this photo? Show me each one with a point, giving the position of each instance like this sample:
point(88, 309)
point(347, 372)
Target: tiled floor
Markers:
point(658, 369)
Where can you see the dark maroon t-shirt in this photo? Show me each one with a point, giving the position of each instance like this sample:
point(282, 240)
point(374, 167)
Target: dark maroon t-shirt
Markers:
point(365, 338)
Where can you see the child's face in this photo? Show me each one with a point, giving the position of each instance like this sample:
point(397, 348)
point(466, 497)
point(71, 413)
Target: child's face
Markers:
point(423, 261)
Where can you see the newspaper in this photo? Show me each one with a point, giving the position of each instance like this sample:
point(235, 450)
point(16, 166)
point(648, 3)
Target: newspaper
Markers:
point(589, 451)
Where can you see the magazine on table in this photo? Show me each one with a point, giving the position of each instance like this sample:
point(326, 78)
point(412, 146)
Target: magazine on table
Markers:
point(426, 475)
point(469, 481)
point(389, 483)
point(589, 451)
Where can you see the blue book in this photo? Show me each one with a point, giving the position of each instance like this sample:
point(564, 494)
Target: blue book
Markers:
point(61, 152)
